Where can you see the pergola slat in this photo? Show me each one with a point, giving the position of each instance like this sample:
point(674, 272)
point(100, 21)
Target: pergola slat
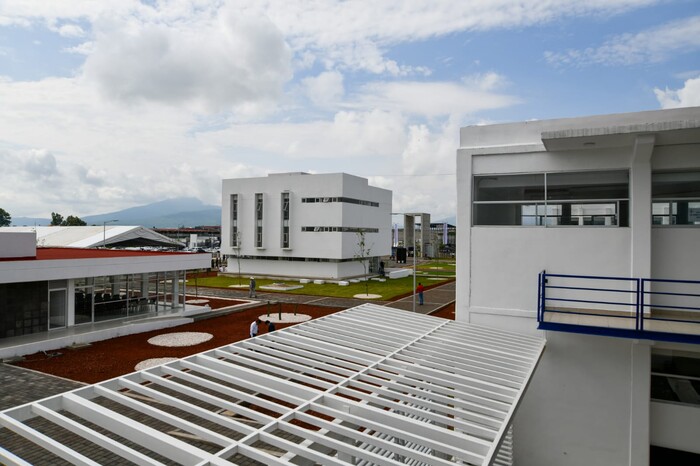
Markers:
point(351, 386)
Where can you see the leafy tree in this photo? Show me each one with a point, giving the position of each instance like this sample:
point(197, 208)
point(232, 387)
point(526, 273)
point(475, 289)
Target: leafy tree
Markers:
point(73, 221)
point(56, 219)
point(5, 218)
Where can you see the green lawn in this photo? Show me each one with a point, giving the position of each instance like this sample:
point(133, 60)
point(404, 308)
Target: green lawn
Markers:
point(444, 266)
point(388, 289)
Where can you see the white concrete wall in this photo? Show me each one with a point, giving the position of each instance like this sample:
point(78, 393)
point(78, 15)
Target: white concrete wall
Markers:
point(17, 244)
point(505, 261)
point(303, 244)
point(675, 426)
point(576, 411)
point(321, 270)
point(675, 253)
point(59, 269)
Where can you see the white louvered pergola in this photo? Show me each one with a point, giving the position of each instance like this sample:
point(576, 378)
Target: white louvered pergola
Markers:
point(369, 385)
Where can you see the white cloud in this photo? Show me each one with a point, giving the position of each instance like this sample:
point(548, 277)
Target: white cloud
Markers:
point(86, 48)
point(68, 150)
point(686, 96)
point(68, 30)
point(232, 59)
point(652, 45)
point(324, 89)
point(433, 99)
point(344, 35)
point(348, 134)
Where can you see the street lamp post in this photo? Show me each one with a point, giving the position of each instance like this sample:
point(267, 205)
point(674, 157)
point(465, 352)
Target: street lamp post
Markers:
point(414, 250)
point(104, 232)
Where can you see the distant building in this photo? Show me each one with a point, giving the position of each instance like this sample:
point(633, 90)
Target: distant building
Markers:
point(51, 297)
point(298, 224)
point(573, 201)
point(194, 237)
point(112, 236)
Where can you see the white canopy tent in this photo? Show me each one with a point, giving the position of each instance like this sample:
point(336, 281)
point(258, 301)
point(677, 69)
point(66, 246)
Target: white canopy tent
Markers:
point(97, 236)
point(369, 385)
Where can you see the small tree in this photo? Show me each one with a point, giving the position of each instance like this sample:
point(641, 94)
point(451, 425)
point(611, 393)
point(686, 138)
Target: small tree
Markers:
point(56, 219)
point(363, 254)
point(5, 218)
point(73, 221)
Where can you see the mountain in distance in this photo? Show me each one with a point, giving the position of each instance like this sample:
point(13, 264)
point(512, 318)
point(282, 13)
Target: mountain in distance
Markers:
point(171, 213)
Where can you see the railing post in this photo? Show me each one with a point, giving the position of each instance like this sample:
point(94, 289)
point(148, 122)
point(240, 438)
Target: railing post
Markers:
point(543, 293)
point(641, 303)
point(539, 296)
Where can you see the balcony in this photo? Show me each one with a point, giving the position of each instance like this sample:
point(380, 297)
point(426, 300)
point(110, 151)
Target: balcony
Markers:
point(641, 308)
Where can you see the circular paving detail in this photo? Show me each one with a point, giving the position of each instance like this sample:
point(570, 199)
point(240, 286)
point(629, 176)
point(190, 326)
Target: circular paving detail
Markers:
point(148, 363)
point(367, 296)
point(197, 301)
point(180, 339)
point(287, 318)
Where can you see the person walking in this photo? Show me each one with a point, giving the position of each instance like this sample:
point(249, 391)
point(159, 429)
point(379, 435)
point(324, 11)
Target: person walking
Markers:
point(254, 328)
point(420, 289)
point(270, 326)
point(252, 294)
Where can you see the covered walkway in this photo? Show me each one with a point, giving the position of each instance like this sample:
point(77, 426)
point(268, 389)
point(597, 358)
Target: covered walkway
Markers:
point(350, 387)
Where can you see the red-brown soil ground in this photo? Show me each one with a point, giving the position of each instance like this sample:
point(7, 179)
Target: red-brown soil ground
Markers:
point(107, 359)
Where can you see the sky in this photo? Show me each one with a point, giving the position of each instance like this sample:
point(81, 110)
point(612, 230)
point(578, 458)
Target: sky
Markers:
point(106, 105)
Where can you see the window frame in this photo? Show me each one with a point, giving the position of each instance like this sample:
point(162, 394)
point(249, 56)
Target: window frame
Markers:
point(544, 204)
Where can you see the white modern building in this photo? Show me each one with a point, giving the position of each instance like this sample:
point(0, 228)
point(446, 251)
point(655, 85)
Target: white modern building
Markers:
point(587, 230)
point(53, 297)
point(303, 225)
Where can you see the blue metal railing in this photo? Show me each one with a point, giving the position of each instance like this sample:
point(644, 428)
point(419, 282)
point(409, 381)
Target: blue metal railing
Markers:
point(648, 308)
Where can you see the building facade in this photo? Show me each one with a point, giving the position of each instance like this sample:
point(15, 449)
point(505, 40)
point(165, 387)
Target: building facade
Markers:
point(604, 196)
point(46, 291)
point(302, 225)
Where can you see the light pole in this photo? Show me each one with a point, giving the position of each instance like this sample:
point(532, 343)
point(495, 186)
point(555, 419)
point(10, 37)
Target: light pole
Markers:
point(104, 232)
point(414, 249)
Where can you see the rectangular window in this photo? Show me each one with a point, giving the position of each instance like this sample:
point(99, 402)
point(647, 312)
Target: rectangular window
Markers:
point(234, 221)
point(258, 220)
point(675, 198)
point(552, 199)
point(675, 376)
point(285, 220)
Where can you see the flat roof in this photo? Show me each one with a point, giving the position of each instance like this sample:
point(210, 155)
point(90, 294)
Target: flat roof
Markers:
point(83, 253)
point(369, 385)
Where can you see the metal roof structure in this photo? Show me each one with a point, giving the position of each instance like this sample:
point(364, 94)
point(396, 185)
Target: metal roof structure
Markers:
point(369, 385)
point(97, 235)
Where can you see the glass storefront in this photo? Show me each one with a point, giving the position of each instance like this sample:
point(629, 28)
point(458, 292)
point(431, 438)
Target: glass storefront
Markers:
point(41, 306)
point(113, 297)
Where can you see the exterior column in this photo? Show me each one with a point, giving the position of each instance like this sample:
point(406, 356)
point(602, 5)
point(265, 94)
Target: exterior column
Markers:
point(640, 267)
point(640, 394)
point(640, 208)
point(176, 290)
point(70, 303)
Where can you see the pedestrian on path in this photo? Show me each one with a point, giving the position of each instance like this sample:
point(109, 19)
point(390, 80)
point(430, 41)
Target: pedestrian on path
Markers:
point(254, 328)
point(252, 294)
point(270, 326)
point(420, 289)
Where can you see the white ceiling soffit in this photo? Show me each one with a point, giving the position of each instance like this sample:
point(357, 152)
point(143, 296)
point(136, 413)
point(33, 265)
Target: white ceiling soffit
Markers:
point(369, 385)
